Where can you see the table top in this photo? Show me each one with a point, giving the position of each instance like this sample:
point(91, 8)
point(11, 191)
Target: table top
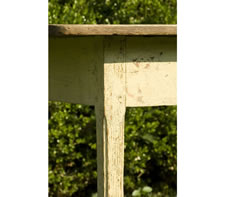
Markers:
point(110, 30)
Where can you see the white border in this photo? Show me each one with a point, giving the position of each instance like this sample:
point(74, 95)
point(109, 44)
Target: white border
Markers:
point(201, 98)
point(24, 98)
point(24, 95)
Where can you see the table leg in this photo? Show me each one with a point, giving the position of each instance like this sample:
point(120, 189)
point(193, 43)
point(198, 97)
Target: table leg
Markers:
point(110, 115)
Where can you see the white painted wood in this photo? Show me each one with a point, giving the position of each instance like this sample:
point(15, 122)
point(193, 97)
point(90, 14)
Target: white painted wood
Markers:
point(110, 111)
point(151, 71)
point(72, 69)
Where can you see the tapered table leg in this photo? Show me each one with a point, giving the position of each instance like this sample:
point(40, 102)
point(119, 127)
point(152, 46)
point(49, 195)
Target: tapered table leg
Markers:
point(110, 116)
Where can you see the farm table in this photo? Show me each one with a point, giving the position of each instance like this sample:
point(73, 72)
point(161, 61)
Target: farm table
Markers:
point(112, 67)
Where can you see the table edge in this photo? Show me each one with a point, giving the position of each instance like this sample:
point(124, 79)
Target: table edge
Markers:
point(111, 30)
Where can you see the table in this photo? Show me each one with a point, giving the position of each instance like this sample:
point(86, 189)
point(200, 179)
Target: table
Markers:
point(112, 67)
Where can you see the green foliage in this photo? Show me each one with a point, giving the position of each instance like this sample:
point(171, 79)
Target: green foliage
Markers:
point(112, 12)
point(150, 133)
point(142, 192)
point(72, 149)
point(150, 149)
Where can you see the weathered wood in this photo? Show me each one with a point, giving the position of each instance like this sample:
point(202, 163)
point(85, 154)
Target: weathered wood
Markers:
point(110, 112)
point(131, 30)
point(151, 71)
point(73, 66)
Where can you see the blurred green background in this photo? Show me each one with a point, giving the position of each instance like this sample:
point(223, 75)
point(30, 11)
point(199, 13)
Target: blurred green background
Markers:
point(150, 132)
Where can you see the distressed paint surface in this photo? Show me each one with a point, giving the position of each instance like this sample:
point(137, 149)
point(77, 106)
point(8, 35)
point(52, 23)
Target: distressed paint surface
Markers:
point(151, 71)
point(110, 113)
point(72, 69)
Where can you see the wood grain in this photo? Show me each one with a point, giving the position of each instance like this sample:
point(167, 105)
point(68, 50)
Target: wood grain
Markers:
point(110, 116)
point(131, 30)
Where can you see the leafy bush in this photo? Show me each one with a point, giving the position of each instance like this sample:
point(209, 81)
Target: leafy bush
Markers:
point(72, 149)
point(150, 133)
point(112, 12)
point(150, 149)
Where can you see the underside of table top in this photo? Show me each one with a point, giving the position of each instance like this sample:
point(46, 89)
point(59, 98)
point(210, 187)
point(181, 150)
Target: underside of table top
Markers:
point(110, 30)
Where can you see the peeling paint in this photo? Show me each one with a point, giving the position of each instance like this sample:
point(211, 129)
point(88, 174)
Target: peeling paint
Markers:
point(147, 65)
point(140, 99)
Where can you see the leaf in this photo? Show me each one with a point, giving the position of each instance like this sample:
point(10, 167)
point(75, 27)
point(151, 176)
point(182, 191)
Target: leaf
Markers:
point(136, 192)
point(147, 189)
point(149, 138)
point(94, 195)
